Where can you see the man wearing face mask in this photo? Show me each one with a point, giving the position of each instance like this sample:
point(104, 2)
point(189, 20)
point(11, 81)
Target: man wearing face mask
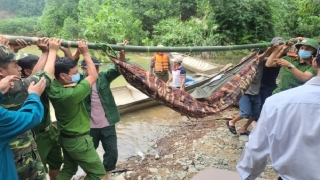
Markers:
point(296, 68)
point(67, 94)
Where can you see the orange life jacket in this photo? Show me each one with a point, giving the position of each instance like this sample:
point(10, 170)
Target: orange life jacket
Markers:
point(161, 62)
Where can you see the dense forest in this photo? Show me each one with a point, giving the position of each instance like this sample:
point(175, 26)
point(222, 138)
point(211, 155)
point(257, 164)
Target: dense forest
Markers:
point(168, 22)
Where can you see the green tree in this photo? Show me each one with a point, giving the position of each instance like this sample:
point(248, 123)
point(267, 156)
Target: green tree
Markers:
point(55, 13)
point(23, 8)
point(20, 26)
point(246, 21)
point(113, 23)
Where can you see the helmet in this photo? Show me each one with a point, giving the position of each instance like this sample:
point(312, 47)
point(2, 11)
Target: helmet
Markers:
point(308, 42)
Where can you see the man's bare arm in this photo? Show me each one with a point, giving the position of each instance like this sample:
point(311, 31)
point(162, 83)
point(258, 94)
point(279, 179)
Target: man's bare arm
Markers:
point(42, 44)
point(92, 72)
point(54, 45)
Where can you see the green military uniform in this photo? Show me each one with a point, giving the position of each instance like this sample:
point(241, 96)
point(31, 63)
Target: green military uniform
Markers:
point(74, 125)
point(288, 79)
point(24, 149)
point(47, 139)
point(107, 135)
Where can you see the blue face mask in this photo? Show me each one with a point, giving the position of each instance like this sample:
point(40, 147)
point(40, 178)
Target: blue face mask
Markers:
point(304, 54)
point(75, 78)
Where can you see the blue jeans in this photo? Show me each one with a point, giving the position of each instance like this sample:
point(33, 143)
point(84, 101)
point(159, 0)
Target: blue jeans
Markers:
point(250, 106)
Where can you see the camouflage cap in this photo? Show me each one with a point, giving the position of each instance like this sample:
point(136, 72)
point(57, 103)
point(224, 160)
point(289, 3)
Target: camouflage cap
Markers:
point(308, 42)
point(7, 56)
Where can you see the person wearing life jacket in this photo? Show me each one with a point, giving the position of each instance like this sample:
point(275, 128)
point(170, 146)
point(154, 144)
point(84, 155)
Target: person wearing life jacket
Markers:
point(160, 65)
point(296, 68)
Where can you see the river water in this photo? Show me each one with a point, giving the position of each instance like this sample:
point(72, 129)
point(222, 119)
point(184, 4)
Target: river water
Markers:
point(137, 131)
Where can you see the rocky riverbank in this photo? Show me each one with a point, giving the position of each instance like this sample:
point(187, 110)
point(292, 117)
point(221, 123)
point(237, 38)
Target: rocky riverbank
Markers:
point(182, 150)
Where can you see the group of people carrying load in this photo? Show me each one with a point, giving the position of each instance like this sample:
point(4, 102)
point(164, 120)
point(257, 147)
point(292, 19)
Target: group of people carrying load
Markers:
point(86, 111)
point(84, 107)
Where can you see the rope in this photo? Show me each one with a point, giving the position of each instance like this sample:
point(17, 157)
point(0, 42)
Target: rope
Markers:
point(105, 48)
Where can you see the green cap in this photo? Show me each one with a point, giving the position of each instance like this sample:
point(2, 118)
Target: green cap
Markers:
point(308, 42)
point(7, 56)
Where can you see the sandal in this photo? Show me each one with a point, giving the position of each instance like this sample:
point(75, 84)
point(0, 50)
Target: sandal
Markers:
point(246, 133)
point(232, 129)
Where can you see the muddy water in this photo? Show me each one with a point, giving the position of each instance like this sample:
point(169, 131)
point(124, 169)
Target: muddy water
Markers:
point(137, 131)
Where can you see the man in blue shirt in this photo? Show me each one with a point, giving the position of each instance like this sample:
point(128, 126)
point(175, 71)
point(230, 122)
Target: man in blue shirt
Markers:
point(13, 123)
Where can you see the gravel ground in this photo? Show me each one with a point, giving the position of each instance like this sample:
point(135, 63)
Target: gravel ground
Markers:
point(181, 151)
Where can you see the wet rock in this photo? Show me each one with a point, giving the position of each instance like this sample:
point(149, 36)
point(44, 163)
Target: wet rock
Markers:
point(199, 167)
point(157, 156)
point(192, 169)
point(185, 168)
point(120, 177)
point(153, 170)
point(182, 175)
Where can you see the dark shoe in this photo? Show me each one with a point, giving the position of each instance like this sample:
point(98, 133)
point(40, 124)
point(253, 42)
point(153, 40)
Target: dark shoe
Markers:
point(246, 133)
point(232, 129)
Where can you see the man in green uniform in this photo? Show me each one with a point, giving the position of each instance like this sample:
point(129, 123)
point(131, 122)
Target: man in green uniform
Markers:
point(67, 96)
point(296, 68)
point(26, 157)
point(46, 133)
point(103, 112)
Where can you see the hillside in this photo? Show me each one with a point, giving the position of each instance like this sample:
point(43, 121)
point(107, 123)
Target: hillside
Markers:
point(6, 15)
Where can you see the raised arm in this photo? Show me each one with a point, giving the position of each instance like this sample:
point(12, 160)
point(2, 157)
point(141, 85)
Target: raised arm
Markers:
point(66, 51)
point(152, 64)
point(42, 44)
point(20, 45)
point(54, 45)
point(271, 62)
point(76, 54)
point(92, 72)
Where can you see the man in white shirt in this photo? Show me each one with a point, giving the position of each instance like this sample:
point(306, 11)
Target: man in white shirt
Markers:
point(178, 74)
point(288, 131)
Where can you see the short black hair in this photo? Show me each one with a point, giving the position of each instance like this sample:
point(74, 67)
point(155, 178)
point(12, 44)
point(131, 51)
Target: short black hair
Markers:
point(28, 62)
point(63, 65)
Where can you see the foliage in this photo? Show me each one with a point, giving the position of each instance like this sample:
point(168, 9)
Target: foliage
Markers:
point(194, 32)
point(55, 13)
point(19, 26)
point(70, 29)
point(167, 22)
point(23, 8)
point(113, 24)
point(296, 18)
point(242, 22)
point(151, 12)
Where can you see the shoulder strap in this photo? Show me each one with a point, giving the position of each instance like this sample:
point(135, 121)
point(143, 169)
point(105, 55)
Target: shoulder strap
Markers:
point(292, 54)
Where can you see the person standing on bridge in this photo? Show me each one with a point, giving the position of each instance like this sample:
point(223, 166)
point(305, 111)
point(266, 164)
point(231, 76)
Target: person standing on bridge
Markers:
point(160, 65)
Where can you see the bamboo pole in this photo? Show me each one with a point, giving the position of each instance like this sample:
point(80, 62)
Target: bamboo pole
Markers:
point(73, 44)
